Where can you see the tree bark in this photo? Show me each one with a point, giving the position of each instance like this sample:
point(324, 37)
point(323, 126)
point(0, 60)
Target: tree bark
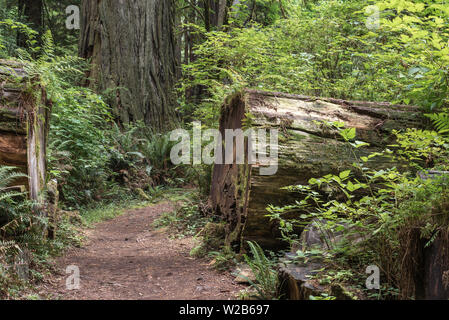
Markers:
point(32, 13)
point(132, 47)
point(24, 124)
point(240, 194)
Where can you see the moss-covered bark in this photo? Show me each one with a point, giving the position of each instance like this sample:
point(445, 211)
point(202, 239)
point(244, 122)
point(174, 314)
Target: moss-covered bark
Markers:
point(24, 124)
point(307, 149)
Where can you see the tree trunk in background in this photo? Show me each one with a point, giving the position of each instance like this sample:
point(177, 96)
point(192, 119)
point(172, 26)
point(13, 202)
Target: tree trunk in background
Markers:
point(31, 11)
point(215, 13)
point(240, 194)
point(132, 47)
point(221, 12)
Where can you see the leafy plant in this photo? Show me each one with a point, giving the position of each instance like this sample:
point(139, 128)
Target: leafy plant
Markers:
point(223, 260)
point(374, 211)
point(15, 209)
point(187, 219)
point(440, 121)
point(267, 281)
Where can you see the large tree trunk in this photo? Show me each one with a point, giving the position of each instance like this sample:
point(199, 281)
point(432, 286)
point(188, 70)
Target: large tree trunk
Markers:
point(306, 150)
point(132, 47)
point(24, 124)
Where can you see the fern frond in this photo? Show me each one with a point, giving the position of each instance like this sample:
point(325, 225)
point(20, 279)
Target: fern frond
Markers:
point(8, 175)
point(9, 195)
point(267, 281)
point(440, 121)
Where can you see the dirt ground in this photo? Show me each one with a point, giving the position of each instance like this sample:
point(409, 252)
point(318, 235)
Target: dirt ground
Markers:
point(127, 259)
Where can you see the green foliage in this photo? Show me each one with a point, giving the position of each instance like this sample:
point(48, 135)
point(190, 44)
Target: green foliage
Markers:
point(16, 214)
point(55, 17)
point(441, 122)
point(326, 48)
point(324, 296)
point(106, 210)
point(78, 144)
point(187, 219)
point(420, 147)
point(22, 237)
point(9, 281)
point(7, 176)
point(12, 23)
point(267, 281)
point(152, 148)
point(374, 210)
point(223, 260)
point(10, 27)
point(264, 12)
point(420, 34)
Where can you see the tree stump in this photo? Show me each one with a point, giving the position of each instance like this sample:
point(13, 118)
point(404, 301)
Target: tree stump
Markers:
point(24, 124)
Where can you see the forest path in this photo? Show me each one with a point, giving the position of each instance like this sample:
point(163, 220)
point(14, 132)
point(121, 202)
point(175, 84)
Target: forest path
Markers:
point(126, 258)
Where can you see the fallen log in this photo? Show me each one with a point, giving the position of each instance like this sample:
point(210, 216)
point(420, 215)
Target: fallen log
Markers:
point(24, 125)
point(307, 149)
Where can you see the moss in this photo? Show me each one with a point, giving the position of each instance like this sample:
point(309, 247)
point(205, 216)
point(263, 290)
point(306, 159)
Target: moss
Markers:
point(212, 239)
point(341, 293)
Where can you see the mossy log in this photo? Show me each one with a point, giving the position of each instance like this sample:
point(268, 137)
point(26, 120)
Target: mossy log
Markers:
point(24, 124)
point(307, 149)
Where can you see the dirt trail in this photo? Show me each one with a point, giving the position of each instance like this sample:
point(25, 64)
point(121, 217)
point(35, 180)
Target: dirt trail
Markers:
point(126, 258)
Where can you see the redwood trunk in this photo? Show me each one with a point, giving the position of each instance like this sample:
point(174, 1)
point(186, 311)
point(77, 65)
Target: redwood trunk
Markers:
point(132, 47)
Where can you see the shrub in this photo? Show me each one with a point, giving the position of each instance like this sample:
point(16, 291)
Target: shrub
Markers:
point(267, 281)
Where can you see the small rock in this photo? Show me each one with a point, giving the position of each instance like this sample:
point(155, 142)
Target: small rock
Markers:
point(200, 289)
point(244, 275)
point(296, 283)
point(340, 293)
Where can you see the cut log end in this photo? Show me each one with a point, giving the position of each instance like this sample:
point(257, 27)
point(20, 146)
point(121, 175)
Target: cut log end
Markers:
point(24, 123)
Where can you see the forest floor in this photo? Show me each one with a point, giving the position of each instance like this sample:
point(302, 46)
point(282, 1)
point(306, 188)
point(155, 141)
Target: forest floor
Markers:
point(127, 258)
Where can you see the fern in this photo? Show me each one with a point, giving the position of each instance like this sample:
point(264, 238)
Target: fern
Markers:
point(7, 176)
point(267, 281)
point(440, 121)
point(14, 207)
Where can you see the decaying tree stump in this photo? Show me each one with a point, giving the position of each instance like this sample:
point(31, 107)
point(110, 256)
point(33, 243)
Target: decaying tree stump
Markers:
point(307, 149)
point(24, 124)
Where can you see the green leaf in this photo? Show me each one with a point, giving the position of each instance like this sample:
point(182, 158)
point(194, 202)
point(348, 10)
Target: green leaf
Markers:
point(345, 174)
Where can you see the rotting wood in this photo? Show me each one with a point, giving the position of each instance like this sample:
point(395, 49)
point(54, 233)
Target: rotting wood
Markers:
point(24, 125)
point(307, 149)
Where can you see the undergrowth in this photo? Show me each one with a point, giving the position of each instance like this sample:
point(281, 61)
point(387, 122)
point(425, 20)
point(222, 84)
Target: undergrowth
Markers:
point(187, 219)
point(266, 283)
point(25, 251)
point(382, 217)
